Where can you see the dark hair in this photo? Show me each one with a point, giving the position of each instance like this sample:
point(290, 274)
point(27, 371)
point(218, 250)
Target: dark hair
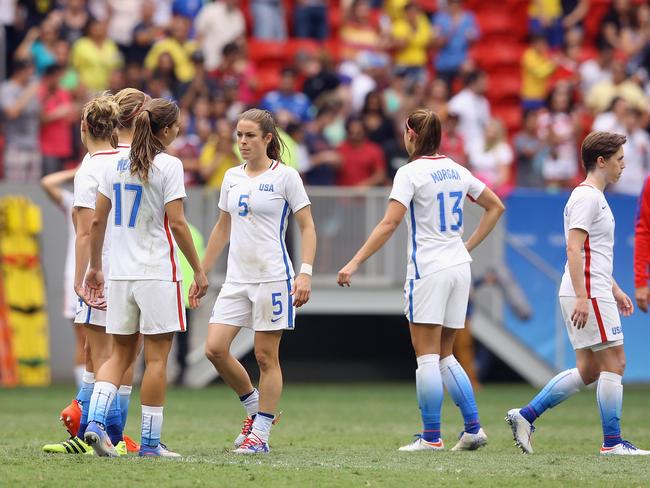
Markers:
point(154, 117)
point(131, 102)
point(267, 124)
point(230, 48)
point(426, 126)
point(288, 70)
point(472, 77)
point(369, 96)
point(598, 144)
point(354, 119)
point(100, 115)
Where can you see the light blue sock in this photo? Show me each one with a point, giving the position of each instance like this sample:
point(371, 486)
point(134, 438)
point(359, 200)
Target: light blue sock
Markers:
point(103, 398)
point(152, 419)
point(609, 395)
point(114, 421)
point(83, 397)
point(430, 393)
point(460, 388)
point(124, 394)
point(561, 387)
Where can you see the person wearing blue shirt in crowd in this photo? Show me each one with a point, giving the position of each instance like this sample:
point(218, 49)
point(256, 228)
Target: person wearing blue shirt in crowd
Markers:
point(287, 99)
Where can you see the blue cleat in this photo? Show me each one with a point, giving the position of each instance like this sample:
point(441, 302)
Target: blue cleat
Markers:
point(97, 438)
point(253, 445)
point(159, 451)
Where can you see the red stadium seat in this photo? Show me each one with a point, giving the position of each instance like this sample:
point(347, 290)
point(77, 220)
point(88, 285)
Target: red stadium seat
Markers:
point(494, 22)
point(504, 88)
point(294, 46)
point(490, 57)
point(267, 54)
point(510, 115)
point(267, 80)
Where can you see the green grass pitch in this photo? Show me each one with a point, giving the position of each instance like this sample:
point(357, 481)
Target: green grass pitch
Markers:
point(329, 436)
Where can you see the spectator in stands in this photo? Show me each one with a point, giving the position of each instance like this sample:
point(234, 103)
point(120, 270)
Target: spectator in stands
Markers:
point(21, 113)
point(179, 46)
point(545, 18)
point(601, 95)
point(568, 59)
point(39, 45)
point(452, 144)
point(537, 67)
point(456, 29)
point(95, 56)
point(145, 33)
point(74, 19)
point(70, 78)
point(57, 116)
point(166, 68)
point(559, 127)
point(310, 19)
point(530, 152)
point(323, 158)
point(613, 120)
point(122, 18)
point(302, 158)
point(473, 109)
point(219, 23)
point(362, 161)
point(492, 163)
point(438, 98)
point(201, 85)
point(637, 155)
point(618, 26)
point(574, 13)
point(218, 155)
point(593, 71)
point(412, 36)
point(287, 99)
point(269, 21)
point(359, 33)
point(318, 73)
point(187, 148)
point(187, 8)
point(237, 72)
point(379, 128)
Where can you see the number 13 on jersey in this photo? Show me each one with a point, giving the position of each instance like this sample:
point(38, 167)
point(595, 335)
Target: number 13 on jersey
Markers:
point(456, 197)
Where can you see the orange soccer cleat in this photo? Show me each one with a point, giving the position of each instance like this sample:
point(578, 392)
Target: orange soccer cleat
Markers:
point(71, 417)
point(131, 445)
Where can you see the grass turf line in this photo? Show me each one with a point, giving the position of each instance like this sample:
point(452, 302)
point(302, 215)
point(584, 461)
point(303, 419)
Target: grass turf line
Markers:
point(330, 435)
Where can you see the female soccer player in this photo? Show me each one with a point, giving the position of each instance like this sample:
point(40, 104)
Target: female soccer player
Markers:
point(432, 188)
point(146, 194)
point(591, 301)
point(260, 291)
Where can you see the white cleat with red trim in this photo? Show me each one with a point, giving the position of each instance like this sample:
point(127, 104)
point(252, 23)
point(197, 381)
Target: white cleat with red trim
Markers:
point(625, 448)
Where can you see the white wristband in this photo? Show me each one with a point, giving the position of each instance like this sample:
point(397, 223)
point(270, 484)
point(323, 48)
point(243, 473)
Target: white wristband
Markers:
point(306, 269)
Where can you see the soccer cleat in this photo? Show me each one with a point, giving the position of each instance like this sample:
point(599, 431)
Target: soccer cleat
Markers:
point(471, 442)
point(97, 438)
point(419, 444)
point(253, 445)
point(71, 417)
point(120, 447)
point(159, 451)
point(74, 445)
point(131, 445)
point(521, 430)
point(625, 448)
point(245, 430)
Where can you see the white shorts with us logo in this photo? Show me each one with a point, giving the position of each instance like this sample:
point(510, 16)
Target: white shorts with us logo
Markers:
point(258, 306)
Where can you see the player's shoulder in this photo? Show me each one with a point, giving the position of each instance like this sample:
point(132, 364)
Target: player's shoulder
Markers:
point(585, 195)
point(234, 172)
point(284, 170)
point(167, 162)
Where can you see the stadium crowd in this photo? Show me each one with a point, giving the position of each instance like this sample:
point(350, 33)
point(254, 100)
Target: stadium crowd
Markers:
point(340, 92)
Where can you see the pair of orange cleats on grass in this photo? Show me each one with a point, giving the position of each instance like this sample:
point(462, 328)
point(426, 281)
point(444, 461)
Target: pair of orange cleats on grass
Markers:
point(71, 418)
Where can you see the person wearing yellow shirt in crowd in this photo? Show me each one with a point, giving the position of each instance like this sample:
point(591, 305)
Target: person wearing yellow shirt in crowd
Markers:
point(602, 94)
point(95, 56)
point(218, 155)
point(179, 47)
point(537, 67)
point(412, 36)
point(358, 33)
point(545, 18)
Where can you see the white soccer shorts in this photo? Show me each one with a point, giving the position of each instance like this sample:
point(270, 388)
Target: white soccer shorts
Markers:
point(146, 306)
point(257, 306)
point(603, 327)
point(70, 300)
point(89, 315)
point(439, 298)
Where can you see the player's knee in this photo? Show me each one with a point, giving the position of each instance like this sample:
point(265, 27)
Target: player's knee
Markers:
point(266, 360)
point(215, 353)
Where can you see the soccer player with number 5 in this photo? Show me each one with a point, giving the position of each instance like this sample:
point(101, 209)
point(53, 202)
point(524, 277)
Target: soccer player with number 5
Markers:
point(429, 193)
point(260, 291)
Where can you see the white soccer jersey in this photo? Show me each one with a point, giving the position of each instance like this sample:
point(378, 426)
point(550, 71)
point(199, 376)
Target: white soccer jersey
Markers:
point(259, 209)
point(147, 250)
point(433, 189)
point(86, 182)
point(67, 203)
point(587, 209)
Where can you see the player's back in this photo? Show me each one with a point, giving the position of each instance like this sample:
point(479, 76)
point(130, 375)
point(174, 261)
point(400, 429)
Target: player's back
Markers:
point(434, 189)
point(144, 248)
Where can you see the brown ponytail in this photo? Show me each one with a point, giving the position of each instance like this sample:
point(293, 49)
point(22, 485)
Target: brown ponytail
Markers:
point(154, 117)
point(100, 115)
point(427, 129)
point(267, 124)
point(131, 102)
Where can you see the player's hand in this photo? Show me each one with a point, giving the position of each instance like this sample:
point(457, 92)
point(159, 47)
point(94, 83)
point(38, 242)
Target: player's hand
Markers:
point(198, 289)
point(301, 291)
point(94, 289)
point(642, 296)
point(346, 272)
point(580, 312)
point(625, 306)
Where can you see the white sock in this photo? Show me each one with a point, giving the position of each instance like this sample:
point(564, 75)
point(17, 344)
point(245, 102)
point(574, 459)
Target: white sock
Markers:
point(251, 403)
point(88, 377)
point(100, 402)
point(262, 425)
point(152, 419)
point(609, 395)
point(79, 371)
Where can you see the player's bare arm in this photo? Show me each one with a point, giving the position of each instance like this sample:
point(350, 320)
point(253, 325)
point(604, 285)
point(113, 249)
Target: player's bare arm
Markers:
point(301, 291)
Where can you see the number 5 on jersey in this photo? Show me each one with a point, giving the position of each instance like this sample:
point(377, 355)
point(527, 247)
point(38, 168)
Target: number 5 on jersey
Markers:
point(117, 188)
